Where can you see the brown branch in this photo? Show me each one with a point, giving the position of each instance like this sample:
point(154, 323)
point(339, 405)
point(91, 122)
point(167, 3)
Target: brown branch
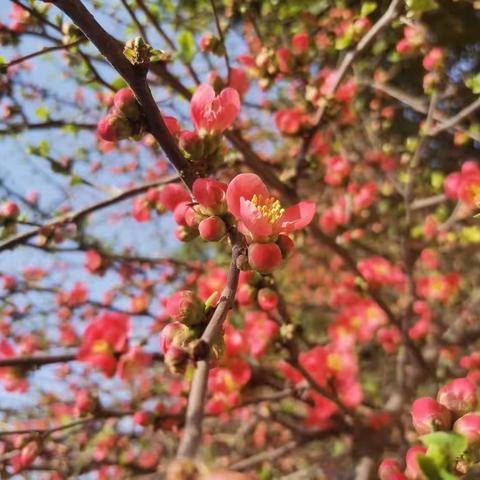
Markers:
point(414, 103)
point(78, 215)
point(18, 127)
point(195, 409)
point(266, 456)
point(456, 119)
point(135, 76)
point(42, 51)
point(222, 38)
point(340, 74)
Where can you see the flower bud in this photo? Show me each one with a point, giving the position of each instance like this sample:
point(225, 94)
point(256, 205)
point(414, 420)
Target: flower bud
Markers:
point(176, 360)
point(413, 471)
point(429, 416)
point(113, 128)
point(390, 469)
point(191, 143)
point(210, 194)
point(143, 418)
point(300, 43)
point(186, 234)
point(286, 244)
point(174, 333)
point(459, 396)
point(469, 427)
point(180, 214)
point(245, 294)
point(9, 210)
point(173, 194)
point(264, 257)
point(267, 299)
point(212, 229)
point(185, 307)
point(126, 104)
point(182, 469)
point(84, 402)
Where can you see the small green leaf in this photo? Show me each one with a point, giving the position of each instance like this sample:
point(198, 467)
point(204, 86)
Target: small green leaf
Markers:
point(75, 180)
point(433, 471)
point(42, 113)
point(473, 83)
point(420, 6)
point(436, 180)
point(43, 149)
point(186, 44)
point(344, 42)
point(119, 83)
point(210, 300)
point(444, 447)
point(368, 8)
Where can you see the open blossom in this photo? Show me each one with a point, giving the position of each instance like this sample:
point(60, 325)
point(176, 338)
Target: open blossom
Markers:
point(261, 216)
point(465, 184)
point(12, 380)
point(105, 337)
point(214, 113)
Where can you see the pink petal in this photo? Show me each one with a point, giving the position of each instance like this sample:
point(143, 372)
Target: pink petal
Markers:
point(230, 108)
point(201, 99)
point(253, 220)
point(296, 217)
point(245, 185)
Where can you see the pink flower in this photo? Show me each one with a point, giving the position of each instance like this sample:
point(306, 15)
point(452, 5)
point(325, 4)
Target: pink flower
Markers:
point(209, 193)
point(173, 194)
point(428, 416)
point(213, 113)
point(261, 216)
point(105, 337)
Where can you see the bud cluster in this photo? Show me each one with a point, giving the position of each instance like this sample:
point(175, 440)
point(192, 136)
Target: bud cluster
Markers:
point(206, 216)
point(452, 410)
point(124, 120)
point(252, 288)
point(189, 318)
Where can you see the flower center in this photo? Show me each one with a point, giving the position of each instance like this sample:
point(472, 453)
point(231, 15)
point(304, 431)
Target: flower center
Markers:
point(474, 191)
point(270, 208)
point(101, 346)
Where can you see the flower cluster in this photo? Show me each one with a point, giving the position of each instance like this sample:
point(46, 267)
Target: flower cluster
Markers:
point(188, 320)
point(264, 222)
point(448, 427)
point(124, 119)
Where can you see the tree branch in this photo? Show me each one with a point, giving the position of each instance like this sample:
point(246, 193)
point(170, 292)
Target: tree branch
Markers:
point(78, 215)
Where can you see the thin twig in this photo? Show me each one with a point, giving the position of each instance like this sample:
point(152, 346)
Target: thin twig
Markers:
point(78, 215)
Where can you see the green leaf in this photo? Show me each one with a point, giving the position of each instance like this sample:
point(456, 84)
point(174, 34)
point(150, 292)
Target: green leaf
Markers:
point(433, 471)
point(42, 113)
point(43, 149)
point(75, 180)
point(473, 83)
point(444, 447)
point(119, 83)
point(420, 6)
point(344, 42)
point(186, 44)
point(368, 8)
point(436, 180)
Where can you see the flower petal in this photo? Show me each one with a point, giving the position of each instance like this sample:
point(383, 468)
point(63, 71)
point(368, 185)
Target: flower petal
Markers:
point(201, 99)
point(253, 220)
point(296, 217)
point(245, 185)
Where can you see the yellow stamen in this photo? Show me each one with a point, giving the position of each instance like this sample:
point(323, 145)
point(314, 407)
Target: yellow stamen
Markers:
point(101, 346)
point(270, 208)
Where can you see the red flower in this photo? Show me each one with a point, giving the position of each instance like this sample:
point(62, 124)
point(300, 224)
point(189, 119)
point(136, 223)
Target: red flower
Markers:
point(12, 379)
point(106, 336)
point(261, 216)
point(209, 193)
point(213, 113)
